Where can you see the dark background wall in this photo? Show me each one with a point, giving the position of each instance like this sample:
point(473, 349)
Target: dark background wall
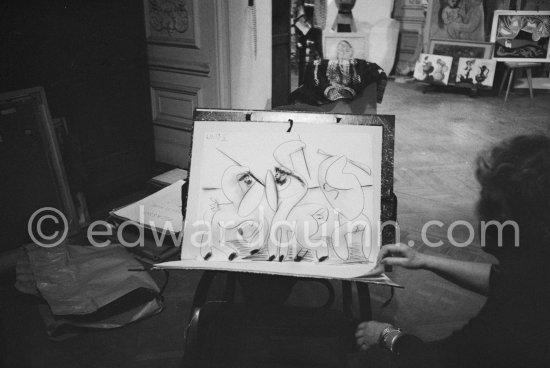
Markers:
point(90, 57)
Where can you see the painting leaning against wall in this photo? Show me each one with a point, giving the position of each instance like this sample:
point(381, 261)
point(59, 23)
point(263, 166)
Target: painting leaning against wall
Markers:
point(433, 69)
point(456, 20)
point(460, 49)
point(479, 72)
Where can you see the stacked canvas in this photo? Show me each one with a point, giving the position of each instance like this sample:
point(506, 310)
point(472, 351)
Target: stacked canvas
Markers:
point(151, 227)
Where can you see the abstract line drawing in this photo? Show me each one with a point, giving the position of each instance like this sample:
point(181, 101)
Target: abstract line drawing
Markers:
point(309, 207)
point(236, 225)
point(342, 181)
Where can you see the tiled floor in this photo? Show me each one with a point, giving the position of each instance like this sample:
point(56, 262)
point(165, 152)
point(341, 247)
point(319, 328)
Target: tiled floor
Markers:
point(437, 137)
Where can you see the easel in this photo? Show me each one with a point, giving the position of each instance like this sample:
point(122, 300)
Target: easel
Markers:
point(201, 309)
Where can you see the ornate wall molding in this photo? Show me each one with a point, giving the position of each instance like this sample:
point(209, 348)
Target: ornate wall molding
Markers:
point(165, 64)
point(173, 105)
point(172, 22)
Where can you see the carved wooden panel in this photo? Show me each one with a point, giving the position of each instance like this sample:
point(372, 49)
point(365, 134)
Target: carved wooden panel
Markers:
point(172, 22)
point(173, 105)
point(188, 58)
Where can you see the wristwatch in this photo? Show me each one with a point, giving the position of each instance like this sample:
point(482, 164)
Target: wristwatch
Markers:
point(389, 336)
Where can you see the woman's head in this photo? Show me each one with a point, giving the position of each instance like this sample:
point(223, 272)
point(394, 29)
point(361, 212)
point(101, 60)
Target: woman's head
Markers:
point(344, 50)
point(515, 184)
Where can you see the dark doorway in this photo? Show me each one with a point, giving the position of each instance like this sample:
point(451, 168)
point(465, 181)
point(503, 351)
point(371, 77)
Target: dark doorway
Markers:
point(281, 52)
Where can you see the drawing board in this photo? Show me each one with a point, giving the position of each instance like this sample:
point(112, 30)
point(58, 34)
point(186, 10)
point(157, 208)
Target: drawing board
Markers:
point(304, 202)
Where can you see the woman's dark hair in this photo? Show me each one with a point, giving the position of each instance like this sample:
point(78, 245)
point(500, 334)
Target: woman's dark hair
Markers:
point(515, 184)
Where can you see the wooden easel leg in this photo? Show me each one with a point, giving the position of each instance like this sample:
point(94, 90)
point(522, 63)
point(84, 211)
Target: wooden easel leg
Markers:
point(509, 84)
point(530, 81)
point(503, 81)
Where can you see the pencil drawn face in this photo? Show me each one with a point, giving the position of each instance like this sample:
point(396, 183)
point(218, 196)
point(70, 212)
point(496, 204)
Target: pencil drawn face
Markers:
point(241, 189)
point(245, 181)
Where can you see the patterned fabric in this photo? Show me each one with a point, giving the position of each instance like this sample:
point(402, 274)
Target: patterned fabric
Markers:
point(326, 81)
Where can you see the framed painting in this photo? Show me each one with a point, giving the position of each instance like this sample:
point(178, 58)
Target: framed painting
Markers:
point(479, 72)
point(305, 200)
point(171, 22)
point(344, 46)
point(461, 20)
point(456, 20)
point(521, 36)
point(460, 49)
point(433, 69)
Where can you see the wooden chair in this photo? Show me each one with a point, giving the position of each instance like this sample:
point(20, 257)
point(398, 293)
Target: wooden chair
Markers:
point(510, 70)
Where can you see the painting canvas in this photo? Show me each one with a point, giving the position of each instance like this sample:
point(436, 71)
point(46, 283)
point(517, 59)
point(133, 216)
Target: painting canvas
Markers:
point(433, 69)
point(345, 46)
point(456, 20)
point(458, 49)
point(479, 72)
point(303, 203)
point(521, 36)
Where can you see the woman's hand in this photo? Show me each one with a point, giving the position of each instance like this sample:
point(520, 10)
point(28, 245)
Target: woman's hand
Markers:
point(402, 255)
point(368, 333)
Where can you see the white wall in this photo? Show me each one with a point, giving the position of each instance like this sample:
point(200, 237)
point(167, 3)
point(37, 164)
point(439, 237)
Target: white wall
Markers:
point(373, 17)
point(250, 74)
point(367, 11)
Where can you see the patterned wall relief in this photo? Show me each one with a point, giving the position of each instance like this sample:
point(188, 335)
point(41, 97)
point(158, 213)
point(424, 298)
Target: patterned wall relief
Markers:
point(171, 22)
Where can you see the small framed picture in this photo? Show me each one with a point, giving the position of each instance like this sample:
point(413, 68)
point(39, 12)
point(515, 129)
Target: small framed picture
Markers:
point(521, 36)
point(460, 49)
point(345, 46)
point(433, 69)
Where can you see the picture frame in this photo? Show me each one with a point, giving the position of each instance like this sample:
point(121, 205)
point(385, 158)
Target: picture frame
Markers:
point(460, 49)
point(521, 36)
point(42, 186)
point(172, 23)
point(357, 42)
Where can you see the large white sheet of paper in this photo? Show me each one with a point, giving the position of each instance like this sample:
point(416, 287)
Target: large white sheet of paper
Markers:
point(160, 211)
point(304, 203)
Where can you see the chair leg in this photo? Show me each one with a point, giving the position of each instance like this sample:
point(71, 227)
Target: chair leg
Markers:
point(503, 81)
point(509, 84)
point(530, 81)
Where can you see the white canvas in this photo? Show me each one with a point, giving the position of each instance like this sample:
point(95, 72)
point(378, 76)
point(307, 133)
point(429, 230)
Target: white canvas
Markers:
point(305, 203)
point(476, 71)
point(433, 68)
